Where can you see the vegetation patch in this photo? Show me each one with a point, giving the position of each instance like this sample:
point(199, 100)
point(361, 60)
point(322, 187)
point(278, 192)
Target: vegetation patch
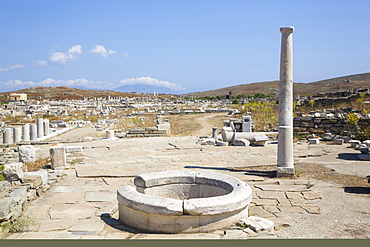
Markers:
point(33, 166)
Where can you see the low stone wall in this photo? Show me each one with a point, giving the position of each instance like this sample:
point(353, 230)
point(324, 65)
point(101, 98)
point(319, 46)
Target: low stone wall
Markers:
point(321, 125)
point(147, 132)
point(15, 194)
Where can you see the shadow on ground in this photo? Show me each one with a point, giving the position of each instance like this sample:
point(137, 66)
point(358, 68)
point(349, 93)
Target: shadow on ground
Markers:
point(268, 174)
point(117, 224)
point(207, 168)
point(261, 173)
point(348, 156)
point(357, 190)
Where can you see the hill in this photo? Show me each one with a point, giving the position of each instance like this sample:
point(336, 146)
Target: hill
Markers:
point(272, 87)
point(61, 93)
point(144, 88)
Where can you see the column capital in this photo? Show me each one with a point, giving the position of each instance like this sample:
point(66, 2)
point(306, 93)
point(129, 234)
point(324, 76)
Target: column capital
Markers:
point(287, 29)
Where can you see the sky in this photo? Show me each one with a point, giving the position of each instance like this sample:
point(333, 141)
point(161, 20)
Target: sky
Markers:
point(182, 45)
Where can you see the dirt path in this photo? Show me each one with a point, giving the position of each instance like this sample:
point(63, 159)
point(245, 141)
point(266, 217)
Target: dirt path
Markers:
point(208, 122)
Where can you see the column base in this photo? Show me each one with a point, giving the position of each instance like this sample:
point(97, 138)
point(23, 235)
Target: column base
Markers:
point(285, 172)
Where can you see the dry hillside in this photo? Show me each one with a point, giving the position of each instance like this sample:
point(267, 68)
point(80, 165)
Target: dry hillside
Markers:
point(61, 93)
point(270, 87)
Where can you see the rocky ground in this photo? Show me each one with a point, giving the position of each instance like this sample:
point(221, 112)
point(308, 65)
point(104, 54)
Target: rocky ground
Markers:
point(329, 197)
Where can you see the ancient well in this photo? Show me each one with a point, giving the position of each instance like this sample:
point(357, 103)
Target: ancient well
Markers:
point(183, 202)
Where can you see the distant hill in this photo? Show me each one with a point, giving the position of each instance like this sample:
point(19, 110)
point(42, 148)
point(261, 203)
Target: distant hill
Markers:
point(60, 93)
point(144, 88)
point(270, 87)
point(330, 85)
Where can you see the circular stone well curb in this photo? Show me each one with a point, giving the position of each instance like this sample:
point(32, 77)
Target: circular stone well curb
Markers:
point(183, 201)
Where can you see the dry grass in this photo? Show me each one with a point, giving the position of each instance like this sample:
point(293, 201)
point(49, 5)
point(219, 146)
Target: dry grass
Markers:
point(134, 122)
point(217, 120)
point(183, 125)
point(38, 164)
point(264, 114)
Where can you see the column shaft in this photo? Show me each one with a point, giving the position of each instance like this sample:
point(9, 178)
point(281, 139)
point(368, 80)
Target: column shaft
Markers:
point(285, 163)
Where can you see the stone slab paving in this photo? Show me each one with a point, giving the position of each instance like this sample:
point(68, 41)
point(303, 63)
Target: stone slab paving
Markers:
point(83, 205)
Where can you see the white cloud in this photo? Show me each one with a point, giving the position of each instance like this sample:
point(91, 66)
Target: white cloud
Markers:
point(99, 49)
point(152, 82)
point(40, 63)
point(12, 67)
point(125, 55)
point(49, 82)
point(63, 58)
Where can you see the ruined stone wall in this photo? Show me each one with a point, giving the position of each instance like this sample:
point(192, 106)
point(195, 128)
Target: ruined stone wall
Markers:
point(321, 125)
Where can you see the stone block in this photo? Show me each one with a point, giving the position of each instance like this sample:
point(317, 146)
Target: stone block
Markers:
point(329, 121)
point(14, 171)
point(149, 204)
point(338, 141)
point(294, 195)
point(313, 141)
point(88, 139)
point(16, 211)
point(6, 206)
point(34, 180)
point(26, 153)
point(71, 211)
point(258, 224)
point(19, 195)
point(306, 118)
point(311, 209)
point(221, 143)
point(235, 234)
point(137, 131)
point(42, 173)
point(364, 150)
point(292, 209)
point(367, 143)
point(263, 202)
point(354, 143)
point(110, 134)
point(31, 195)
point(309, 195)
point(100, 196)
point(208, 141)
point(271, 209)
point(87, 226)
point(168, 177)
point(260, 212)
point(307, 124)
point(270, 194)
point(4, 185)
point(58, 157)
point(327, 136)
point(74, 149)
point(210, 223)
point(241, 142)
point(284, 202)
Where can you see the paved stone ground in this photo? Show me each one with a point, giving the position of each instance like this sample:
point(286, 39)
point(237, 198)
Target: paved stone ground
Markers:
point(83, 204)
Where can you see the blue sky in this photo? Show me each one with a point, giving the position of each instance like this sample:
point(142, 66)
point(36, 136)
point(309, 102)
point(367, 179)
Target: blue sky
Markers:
point(183, 45)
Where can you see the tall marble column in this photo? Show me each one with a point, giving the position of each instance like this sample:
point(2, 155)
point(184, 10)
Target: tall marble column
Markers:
point(33, 132)
point(7, 136)
point(26, 132)
point(17, 134)
point(46, 127)
point(285, 162)
point(40, 127)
